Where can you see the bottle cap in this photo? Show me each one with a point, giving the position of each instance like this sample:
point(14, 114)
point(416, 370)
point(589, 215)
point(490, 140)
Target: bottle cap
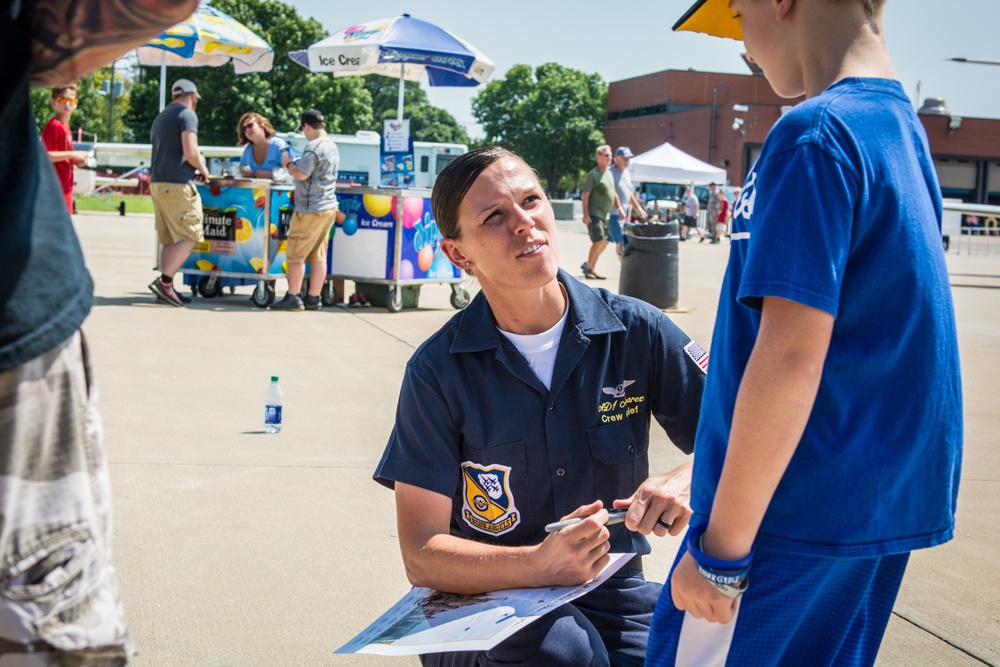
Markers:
point(274, 378)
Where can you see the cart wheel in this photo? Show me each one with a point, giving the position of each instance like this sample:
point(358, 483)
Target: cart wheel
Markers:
point(459, 297)
point(210, 287)
point(263, 295)
point(329, 294)
point(394, 300)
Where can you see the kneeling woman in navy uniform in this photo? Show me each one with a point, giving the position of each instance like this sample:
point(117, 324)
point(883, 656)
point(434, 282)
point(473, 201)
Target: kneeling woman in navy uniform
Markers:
point(532, 404)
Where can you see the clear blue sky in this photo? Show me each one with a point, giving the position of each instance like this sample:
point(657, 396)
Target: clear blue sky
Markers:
point(922, 35)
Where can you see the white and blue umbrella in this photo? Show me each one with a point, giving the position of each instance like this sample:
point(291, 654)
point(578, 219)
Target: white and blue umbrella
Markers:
point(208, 38)
point(400, 47)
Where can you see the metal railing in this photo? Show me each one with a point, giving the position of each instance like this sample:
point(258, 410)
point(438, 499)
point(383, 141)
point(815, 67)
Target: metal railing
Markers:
point(980, 240)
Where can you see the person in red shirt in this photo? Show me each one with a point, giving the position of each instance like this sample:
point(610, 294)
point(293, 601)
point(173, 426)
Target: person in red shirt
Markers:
point(59, 141)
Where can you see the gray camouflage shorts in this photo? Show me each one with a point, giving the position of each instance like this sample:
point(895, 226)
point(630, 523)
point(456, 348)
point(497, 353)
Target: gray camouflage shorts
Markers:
point(59, 599)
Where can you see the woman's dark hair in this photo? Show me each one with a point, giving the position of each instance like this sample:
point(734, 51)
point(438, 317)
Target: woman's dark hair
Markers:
point(454, 182)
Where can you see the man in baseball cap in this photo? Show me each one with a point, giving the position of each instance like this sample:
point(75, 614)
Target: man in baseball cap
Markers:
point(630, 204)
point(712, 17)
point(184, 87)
point(314, 119)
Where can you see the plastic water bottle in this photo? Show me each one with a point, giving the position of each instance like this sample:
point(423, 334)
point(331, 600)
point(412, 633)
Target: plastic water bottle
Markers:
point(273, 399)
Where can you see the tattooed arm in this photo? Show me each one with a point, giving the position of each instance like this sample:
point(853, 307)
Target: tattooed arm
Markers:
point(73, 37)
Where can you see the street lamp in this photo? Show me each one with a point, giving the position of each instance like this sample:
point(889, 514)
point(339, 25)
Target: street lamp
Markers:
point(974, 62)
point(111, 88)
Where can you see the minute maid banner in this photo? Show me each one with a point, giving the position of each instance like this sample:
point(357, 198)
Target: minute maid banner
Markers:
point(363, 247)
point(235, 230)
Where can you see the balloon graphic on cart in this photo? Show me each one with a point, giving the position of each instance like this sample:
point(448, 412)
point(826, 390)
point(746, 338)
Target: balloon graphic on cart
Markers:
point(378, 206)
point(350, 224)
point(413, 210)
point(425, 258)
point(405, 270)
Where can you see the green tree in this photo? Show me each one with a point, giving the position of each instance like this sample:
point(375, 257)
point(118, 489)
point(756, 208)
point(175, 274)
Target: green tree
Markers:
point(553, 116)
point(385, 96)
point(280, 95)
point(427, 122)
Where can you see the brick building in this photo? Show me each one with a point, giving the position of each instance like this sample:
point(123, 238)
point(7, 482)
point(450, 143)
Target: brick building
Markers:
point(724, 118)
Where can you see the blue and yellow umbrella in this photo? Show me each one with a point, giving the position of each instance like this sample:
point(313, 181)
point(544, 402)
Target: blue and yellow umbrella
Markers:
point(208, 38)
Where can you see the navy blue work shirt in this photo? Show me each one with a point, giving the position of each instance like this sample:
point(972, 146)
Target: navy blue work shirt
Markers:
point(475, 423)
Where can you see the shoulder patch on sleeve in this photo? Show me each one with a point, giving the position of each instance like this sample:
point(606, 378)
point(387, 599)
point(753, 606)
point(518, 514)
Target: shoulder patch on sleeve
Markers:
point(698, 355)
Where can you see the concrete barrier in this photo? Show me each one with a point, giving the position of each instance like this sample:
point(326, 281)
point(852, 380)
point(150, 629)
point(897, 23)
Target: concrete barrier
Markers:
point(567, 209)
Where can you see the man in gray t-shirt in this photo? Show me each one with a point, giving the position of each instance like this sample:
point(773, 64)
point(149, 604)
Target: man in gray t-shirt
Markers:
point(315, 174)
point(176, 162)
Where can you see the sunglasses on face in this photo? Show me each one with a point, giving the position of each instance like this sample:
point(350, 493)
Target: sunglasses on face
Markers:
point(66, 100)
point(249, 125)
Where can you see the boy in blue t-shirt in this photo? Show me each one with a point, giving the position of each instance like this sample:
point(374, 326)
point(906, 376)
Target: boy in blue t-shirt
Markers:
point(833, 446)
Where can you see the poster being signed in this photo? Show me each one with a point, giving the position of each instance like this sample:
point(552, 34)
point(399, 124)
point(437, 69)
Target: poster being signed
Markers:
point(427, 621)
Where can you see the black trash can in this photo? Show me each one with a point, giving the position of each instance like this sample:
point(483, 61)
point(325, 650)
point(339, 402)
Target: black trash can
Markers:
point(649, 263)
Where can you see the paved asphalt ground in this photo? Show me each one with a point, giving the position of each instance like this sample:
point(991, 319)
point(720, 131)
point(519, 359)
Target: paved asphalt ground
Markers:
point(236, 547)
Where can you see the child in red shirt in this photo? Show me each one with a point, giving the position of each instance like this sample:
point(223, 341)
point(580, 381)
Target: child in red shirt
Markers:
point(59, 141)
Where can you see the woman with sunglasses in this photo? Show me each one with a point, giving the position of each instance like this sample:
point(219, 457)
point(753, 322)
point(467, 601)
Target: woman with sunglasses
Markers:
point(58, 140)
point(263, 149)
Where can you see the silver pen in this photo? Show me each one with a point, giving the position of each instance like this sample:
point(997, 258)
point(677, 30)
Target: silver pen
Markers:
point(614, 516)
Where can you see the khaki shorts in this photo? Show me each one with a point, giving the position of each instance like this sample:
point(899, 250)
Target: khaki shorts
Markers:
point(177, 207)
point(307, 236)
point(598, 228)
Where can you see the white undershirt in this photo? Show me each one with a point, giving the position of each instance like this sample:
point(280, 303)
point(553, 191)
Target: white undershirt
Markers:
point(540, 349)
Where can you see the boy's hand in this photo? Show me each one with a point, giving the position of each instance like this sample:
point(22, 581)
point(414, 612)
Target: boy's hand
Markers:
point(575, 554)
point(692, 593)
point(661, 504)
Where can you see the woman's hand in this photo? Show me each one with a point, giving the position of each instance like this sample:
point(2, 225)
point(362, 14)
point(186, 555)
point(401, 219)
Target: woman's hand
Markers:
point(577, 553)
point(661, 504)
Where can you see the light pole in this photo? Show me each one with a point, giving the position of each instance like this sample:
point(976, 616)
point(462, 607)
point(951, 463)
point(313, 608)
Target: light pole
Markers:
point(110, 89)
point(974, 62)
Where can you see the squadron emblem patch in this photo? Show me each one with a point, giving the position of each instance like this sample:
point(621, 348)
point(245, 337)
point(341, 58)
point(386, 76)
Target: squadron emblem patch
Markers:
point(489, 506)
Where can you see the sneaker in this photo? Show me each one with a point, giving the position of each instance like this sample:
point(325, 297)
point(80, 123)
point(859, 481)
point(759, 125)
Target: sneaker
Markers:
point(701, 240)
point(312, 302)
point(291, 302)
point(354, 301)
point(166, 293)
point(185, 299)
point(363, 300)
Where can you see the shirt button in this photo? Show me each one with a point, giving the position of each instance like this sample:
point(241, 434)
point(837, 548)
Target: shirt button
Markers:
point(561, 472)
point(552, 407)
point(631, 449)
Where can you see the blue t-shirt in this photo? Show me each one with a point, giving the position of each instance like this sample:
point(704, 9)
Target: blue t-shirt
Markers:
point(475, 423)
point(842, 213)
point(45, 289)
point(271, 161)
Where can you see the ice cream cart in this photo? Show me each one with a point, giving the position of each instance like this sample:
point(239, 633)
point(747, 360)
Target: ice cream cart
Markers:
point(246, 224)
point(389, 237)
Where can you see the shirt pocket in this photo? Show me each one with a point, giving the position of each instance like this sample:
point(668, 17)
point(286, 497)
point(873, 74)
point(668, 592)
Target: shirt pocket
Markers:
point(619, 459)
point(494, 497)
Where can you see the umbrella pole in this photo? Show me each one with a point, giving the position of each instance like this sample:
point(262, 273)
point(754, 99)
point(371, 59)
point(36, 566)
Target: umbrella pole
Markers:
point(399, 107)
point(163, 79)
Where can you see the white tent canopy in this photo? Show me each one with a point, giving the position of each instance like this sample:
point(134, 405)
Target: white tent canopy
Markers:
point(668, 164)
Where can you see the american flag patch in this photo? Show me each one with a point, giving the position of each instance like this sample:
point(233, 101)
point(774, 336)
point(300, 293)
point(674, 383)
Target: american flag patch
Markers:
point(698, 355)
